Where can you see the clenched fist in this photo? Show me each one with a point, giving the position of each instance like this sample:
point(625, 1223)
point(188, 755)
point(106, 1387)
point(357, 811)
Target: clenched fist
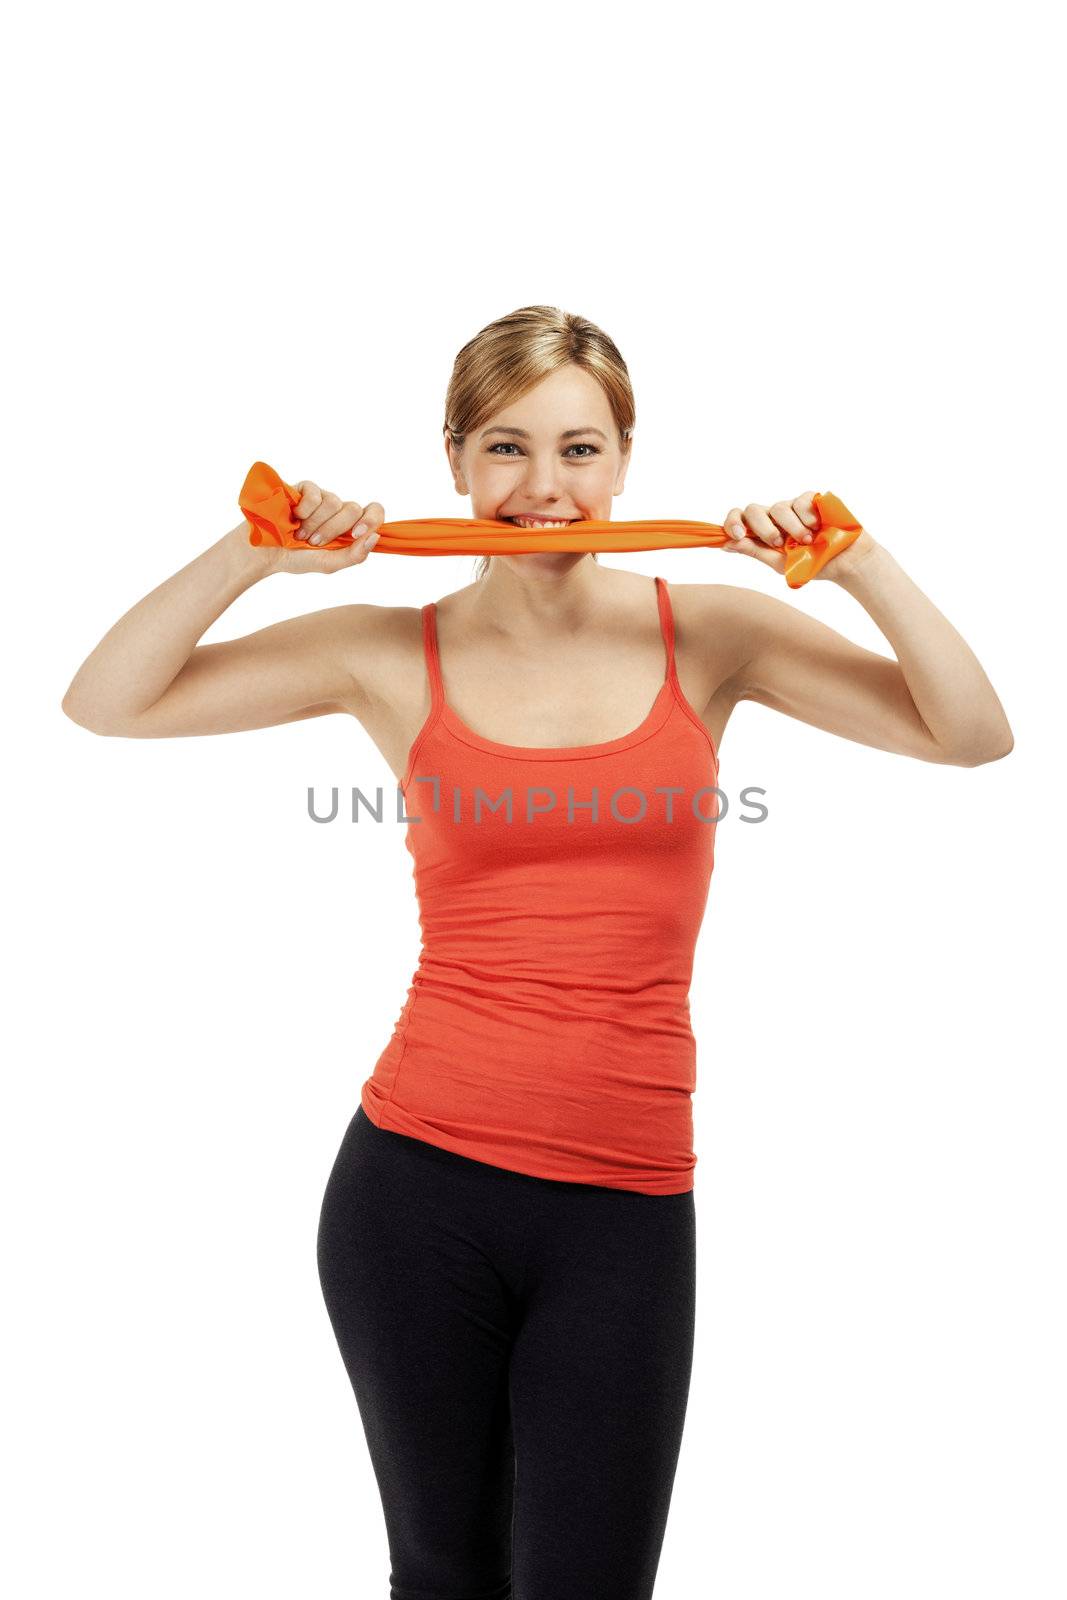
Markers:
point(324, 516)
point(761, 531)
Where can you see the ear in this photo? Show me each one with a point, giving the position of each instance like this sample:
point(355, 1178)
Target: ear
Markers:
point(455, 463)
point(624, 462)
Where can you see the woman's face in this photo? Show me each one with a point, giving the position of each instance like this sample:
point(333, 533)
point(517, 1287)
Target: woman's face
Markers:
point(554, 452)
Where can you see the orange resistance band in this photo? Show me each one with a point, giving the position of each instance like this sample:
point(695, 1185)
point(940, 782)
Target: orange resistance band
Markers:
point(267, 503)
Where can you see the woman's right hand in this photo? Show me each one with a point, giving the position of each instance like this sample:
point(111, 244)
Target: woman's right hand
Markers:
point(322, 517)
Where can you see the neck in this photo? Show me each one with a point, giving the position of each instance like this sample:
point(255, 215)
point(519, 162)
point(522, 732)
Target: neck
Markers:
point(540, 590)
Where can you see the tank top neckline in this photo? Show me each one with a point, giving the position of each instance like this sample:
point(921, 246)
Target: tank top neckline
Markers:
point(669, 691)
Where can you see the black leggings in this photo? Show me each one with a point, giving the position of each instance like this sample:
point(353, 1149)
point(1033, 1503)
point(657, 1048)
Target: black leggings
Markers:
point(520, 1351)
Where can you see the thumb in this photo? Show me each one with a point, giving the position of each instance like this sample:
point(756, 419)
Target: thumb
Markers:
point(358, 551)
point(748, 546)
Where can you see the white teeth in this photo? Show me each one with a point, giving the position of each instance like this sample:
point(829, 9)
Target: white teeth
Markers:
point(528, 522)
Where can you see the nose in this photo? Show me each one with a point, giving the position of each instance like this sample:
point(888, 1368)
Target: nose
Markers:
point(540, 485)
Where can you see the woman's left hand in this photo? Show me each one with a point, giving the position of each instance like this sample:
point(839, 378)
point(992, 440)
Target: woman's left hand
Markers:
point(760, 531)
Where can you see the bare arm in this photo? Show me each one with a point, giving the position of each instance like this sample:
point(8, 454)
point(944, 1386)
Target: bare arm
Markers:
point(933, 702)
point(148, 678)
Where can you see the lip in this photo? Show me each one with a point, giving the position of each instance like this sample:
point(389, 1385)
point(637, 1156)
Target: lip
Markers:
point(538, 516)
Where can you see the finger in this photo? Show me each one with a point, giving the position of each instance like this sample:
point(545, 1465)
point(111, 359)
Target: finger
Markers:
point(760, 526)
point(735, 524)
point(739, 541)
point(310, 498)
point(785, 518)
point(775, 559)
point(352, 555)
point(371, 520)
point(342, 520)
point(323, 516)
point(360, 548)
point(357, 552)
point(804, 506)
point(365, 532)
point(365, 520)
point(314, 559)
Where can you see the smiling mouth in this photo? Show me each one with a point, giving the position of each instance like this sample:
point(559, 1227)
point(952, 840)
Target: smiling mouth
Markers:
point(542, 522)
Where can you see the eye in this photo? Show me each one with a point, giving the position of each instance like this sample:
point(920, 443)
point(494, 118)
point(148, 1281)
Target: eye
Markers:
point(508, 444)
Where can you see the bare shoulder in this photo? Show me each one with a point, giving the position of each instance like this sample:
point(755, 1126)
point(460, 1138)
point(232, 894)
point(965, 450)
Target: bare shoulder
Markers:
point(710, 629)
point(704, 601)
point(366, 622)
point(377, 645)
point(381, 648)
point(713, 622)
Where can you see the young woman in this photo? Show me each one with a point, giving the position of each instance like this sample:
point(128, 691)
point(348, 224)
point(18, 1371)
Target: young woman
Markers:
point(507, 1238)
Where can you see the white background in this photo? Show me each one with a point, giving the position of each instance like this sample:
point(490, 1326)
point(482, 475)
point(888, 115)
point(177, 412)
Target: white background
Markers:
point(824, 240)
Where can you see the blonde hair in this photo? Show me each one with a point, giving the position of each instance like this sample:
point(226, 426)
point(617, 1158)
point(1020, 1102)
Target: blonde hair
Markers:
point(512, 354)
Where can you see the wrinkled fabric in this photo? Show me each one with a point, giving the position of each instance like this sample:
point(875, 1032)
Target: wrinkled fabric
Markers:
point(267, 502)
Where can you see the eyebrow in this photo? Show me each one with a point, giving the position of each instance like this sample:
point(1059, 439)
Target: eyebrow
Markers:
point(520, 433)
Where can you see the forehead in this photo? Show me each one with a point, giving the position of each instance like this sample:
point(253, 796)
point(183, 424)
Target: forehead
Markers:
point(568, 399)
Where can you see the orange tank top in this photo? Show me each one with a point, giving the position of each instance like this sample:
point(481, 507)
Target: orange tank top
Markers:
point(561, 893)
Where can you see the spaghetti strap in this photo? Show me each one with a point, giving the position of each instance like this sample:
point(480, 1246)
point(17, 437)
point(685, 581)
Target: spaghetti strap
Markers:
point(433, 659)
point(666, 618)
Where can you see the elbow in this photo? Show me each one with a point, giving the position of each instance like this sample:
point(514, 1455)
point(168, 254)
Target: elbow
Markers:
point(1003, 748)
point(979, 755)
point(70, 709)
point(84, 719)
